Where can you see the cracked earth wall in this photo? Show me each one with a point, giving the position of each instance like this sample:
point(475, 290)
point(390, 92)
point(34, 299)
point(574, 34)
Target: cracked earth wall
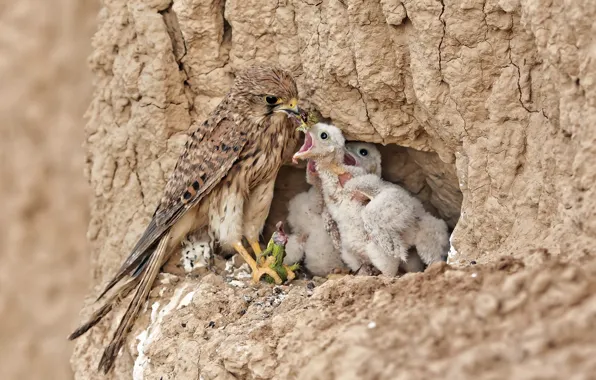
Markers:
point(494, 100)
point(45, 88)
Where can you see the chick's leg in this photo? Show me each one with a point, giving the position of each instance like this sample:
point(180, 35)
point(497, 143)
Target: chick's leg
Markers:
point(258, 270)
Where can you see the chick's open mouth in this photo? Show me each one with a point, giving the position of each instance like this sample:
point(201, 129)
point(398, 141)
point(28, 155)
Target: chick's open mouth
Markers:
point(349, 160)
point(307, 143)
point(304, 149)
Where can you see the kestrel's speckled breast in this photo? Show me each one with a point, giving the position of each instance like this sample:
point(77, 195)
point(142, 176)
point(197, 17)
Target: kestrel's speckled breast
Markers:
point(263, 156)
point(259, 163)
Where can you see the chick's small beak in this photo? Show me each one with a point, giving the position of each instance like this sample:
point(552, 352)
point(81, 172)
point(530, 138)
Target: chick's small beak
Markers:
point(291, 107)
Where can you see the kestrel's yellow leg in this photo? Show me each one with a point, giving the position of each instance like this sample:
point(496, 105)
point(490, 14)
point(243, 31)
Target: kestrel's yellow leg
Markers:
point(258, 270)
point(256, 248)
point(255, 213)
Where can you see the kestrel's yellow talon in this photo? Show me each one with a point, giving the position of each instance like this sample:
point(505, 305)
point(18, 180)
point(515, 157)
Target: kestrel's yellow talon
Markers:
point(290, 271)
point(261, 271)
point(271, 273)
point(257, 269)
point(264, 267)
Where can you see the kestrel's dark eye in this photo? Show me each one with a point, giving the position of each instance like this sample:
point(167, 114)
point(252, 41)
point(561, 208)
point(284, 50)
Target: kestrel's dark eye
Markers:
point(271, 100)
point(324, 135)
point(363, 152)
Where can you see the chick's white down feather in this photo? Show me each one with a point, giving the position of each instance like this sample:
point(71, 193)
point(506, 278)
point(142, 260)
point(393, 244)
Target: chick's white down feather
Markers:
point(346, 212)
point(309, 238)
point(396, 221)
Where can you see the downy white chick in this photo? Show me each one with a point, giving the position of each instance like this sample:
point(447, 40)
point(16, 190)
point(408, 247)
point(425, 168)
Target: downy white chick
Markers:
point(396, 221)
point(368, 156)
point(321, 247)
point(324, 144)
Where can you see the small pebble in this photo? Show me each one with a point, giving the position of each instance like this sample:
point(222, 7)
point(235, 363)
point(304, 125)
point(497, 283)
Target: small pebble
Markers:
point(473, 262)
point(372, 325)
point(474, 275)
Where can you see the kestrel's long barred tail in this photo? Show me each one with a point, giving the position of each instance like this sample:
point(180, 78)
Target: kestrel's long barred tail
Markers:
point(136, 261)
point(113, 301)
point(146, 281)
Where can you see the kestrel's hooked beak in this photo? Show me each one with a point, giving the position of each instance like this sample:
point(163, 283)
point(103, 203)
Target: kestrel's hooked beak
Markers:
point(291, 108)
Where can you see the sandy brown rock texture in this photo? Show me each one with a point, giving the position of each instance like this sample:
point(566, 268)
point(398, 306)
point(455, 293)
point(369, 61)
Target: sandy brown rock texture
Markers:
point(493, 104)
point(504, 320)
point(45, 88)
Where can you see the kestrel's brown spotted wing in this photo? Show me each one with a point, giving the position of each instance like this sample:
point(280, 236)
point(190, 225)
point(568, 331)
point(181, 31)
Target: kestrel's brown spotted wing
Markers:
point(207, 158)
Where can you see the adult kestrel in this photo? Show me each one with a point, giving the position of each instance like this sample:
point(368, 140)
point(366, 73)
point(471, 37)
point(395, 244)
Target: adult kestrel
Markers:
point(223, 180)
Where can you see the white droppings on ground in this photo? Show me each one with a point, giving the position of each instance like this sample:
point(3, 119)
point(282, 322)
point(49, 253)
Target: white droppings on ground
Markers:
point(372, 325)
point(474, 275)
point(186, 300)
point(142, 359)
point(452, 254)
point(168, 278)
point(139, 365)
point(243, 272)
point(153, 331)
point(238, 284)
point(230, 266)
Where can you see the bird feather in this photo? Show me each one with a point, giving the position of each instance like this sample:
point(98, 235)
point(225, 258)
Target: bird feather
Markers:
point(206, 160)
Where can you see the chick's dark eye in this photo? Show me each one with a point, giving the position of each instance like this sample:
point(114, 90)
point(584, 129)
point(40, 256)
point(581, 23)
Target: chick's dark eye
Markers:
point(271, 99)
point(324, 135)
point(363, 152)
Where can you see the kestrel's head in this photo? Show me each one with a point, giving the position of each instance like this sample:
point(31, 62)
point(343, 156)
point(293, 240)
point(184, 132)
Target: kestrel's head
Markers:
point(366, 155)
point(324, 143)
point(262, 90)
